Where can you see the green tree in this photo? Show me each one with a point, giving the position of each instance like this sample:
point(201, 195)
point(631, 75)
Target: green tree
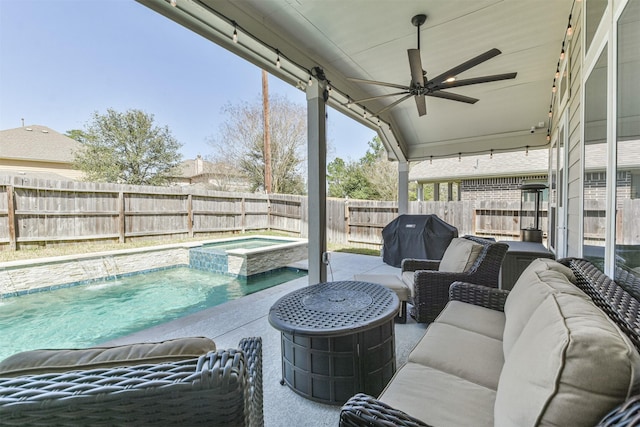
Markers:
point(349, 180)
point(126, 148)
point(77, 134)
point(373, 177)
point(240, 143)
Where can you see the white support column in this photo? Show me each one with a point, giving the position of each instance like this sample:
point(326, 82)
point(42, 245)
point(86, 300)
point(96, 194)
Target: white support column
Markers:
point(403, 188)
point(420, 192)
point(317, 181)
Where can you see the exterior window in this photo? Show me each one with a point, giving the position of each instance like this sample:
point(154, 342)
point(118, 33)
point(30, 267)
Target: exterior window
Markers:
point(595, 163)
point(553, 195)
point(594, 11)
point(627, 237)
point(635, 185)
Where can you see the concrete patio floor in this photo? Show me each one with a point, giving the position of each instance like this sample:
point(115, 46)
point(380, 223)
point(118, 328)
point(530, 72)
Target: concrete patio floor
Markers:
point(228, 323)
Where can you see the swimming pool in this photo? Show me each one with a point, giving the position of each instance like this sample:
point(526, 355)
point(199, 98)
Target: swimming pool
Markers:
point(90, 314)
point(45, 274)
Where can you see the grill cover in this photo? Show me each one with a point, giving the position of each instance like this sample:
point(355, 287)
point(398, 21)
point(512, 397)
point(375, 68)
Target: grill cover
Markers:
point(416, 236)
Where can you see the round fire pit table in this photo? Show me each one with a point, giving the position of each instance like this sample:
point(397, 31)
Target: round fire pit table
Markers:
point(337, 339)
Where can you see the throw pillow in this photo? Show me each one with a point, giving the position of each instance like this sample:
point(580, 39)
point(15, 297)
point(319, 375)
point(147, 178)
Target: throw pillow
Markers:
point(460, 255)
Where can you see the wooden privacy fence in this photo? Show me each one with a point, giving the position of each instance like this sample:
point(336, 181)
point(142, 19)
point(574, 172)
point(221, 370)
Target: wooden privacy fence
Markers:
point(41, 212)
point(364, 220)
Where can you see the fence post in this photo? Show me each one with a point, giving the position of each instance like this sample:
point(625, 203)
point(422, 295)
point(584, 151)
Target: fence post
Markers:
point(473, 220)
point(11, 218)
point(347, 218)
point(268, 213)
point(121, 217)
point(243, 214)
point(190, 214)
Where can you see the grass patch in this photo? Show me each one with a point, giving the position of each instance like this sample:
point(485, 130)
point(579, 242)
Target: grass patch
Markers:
point(87, 247)
point(92, 247)
point(359, 251)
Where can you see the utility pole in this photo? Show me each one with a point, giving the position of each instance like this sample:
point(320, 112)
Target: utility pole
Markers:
point(267, 133)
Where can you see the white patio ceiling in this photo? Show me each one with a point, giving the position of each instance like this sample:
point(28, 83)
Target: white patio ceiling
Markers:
point(368, 39)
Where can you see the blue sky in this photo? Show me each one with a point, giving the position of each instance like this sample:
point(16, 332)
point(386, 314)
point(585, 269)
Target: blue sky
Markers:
point(62, 60)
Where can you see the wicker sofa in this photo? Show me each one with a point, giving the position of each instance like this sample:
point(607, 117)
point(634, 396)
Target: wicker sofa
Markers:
point(136, 385)
point(561, 348)
point(478, 261)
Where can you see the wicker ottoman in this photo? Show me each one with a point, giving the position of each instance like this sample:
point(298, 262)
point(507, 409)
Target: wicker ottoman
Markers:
point(394, 283)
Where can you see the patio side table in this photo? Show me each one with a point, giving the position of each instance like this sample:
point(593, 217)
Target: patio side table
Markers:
point(337, 339)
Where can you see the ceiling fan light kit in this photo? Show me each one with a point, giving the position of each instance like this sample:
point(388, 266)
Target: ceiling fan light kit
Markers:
point(419, 87)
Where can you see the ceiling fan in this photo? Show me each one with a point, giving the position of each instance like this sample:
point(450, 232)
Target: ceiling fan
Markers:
point(421, 87)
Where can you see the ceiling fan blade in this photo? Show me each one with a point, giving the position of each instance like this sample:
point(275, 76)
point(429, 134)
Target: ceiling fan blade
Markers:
point(465, 66)
point(376, 97)
point(453, 97)
point(390, 106)
point(415, 63)
point(421, 104)
point(475, 80)
point(373, 82)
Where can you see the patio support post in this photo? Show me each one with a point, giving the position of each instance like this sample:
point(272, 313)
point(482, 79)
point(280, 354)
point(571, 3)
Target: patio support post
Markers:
point(403, 188)
point(420, 192)
point(317, 178)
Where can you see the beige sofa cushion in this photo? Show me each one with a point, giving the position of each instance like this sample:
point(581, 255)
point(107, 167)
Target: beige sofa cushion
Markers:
point(49, 361)
point(438, 398)
point(541, 278)
point(473, 318)
point(569, 367)
point(465, 354)
point(460, 255)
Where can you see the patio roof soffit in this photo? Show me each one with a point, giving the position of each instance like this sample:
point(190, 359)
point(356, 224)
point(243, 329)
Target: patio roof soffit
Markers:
point(369, 40)
point(217, 21)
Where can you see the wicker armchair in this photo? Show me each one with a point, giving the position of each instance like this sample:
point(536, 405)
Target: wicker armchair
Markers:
point(431, 287)
point(223, 387)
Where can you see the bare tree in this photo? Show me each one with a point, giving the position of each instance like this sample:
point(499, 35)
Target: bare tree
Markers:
point(240, 143)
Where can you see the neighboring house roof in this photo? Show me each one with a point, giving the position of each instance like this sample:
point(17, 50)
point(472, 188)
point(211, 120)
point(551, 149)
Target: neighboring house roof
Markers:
point(198, 166)
point(37, 143)
point(194, 167)
point(595, 156)
point(536, 162)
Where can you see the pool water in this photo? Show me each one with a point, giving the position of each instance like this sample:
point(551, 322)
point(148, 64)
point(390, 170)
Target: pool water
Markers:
point(248, 243)
point(87, 315)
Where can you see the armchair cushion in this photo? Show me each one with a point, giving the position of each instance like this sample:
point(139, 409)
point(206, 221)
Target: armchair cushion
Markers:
point(460, 255)
point(408, 278)
point(50, 361)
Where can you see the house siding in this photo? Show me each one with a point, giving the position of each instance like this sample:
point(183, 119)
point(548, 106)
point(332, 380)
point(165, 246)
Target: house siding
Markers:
point(574, 146)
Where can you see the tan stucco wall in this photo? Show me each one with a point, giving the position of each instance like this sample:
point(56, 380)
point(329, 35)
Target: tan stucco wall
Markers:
point(20, 167)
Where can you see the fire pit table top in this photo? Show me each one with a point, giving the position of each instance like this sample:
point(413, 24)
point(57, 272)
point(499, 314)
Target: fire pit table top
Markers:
point(334, 308)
